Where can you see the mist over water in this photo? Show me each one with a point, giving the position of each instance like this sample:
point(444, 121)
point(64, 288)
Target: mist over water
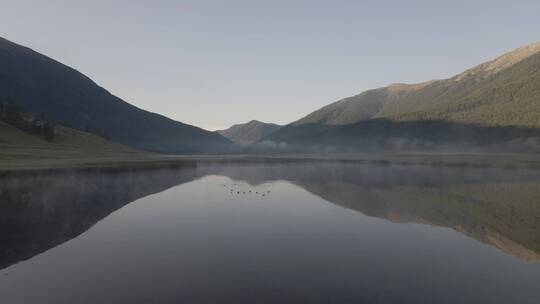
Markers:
point(393, 144)
point(292, 232)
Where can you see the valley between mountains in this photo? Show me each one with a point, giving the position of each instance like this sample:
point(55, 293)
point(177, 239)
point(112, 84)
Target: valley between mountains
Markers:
point(491, 108)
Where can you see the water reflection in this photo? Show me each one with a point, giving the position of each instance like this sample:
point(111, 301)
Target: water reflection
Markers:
point(497, 206)
point(38, 212)
point(272, 233)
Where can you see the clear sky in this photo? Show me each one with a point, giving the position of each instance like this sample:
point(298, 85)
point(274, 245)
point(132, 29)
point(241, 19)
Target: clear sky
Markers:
point(216, 63)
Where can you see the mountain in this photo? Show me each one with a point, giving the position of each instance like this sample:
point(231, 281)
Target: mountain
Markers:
point(498, 98)
point(42, 85)
point(249, 132)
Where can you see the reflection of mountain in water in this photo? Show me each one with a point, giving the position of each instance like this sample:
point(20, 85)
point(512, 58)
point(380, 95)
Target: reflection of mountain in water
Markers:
point(496, 206)
point(40, 212)
point(503, 218)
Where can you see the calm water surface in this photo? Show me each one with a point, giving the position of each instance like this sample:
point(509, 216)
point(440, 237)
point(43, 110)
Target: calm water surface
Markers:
point(298, 232)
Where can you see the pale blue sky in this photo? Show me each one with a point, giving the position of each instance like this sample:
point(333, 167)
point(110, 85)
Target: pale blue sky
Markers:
point(216, 63)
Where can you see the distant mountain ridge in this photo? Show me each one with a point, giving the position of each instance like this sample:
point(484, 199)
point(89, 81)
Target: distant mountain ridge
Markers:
point(249, 132)
point(43, 85)
point(502, 93)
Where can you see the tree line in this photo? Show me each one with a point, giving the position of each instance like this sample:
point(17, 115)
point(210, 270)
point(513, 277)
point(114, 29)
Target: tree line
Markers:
point(16, 116)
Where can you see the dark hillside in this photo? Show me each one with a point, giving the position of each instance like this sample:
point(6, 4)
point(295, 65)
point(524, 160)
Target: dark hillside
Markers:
point(43, 85)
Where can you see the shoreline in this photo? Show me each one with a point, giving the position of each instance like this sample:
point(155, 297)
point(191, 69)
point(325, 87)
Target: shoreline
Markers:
point(478, 160)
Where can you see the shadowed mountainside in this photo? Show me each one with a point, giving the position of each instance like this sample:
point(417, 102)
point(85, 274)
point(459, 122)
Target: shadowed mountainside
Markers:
point(43, 85)
point(16, 145)
point(433, 135)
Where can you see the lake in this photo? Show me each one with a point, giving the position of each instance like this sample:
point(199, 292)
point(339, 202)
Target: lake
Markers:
point(272, 232)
